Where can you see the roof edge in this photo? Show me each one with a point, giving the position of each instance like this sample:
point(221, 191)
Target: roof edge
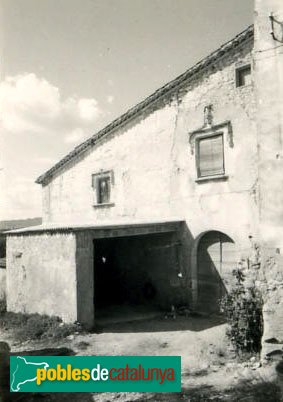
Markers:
point(149, 101)
point(73, 227)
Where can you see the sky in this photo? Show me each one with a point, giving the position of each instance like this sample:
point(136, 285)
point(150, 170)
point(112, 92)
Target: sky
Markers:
point(69, 67)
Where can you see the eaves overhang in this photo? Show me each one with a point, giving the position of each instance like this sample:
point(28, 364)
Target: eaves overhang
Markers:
point(164, 92)
point(102, 230)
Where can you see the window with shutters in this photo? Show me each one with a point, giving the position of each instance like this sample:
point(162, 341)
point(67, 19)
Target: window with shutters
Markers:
point(210, 156)
point(102, 184)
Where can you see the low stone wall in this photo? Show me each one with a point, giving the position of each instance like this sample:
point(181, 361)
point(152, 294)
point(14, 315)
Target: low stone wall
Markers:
point(263, 271)
point(271, 285)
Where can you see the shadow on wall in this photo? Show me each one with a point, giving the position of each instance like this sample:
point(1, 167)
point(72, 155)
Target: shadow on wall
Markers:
point(211, 258)
point(215, 263)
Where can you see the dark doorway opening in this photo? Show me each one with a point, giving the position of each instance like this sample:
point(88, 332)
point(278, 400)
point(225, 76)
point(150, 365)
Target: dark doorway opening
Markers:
point(216, 259)
point(132, 275)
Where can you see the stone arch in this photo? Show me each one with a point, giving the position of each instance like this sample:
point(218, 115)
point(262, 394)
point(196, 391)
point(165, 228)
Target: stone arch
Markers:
point(213, 260)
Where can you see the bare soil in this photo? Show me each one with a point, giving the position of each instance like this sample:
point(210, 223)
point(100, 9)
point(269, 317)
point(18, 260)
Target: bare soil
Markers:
point(210, 370)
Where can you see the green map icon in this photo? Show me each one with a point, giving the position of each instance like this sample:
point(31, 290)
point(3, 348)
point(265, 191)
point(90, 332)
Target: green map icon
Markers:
point(23, 372)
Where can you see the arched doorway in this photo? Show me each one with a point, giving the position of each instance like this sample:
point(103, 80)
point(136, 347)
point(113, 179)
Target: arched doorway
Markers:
point(215, 263)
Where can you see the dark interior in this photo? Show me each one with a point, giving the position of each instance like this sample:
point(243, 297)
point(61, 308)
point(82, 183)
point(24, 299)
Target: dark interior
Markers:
point(134, 271)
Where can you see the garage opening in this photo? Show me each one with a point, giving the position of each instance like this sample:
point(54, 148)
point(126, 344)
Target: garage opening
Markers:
point(133, 276)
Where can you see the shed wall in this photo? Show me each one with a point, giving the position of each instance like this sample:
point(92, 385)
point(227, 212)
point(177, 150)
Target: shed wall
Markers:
point(41, 275)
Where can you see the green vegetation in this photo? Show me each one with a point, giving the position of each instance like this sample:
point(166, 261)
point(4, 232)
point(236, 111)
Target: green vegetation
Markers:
point(36, 327)
point(242, 307)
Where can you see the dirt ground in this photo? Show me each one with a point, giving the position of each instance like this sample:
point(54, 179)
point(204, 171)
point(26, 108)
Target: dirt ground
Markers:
point(210, 370)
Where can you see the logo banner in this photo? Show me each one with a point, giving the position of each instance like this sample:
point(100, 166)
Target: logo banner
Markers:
point(95, 373)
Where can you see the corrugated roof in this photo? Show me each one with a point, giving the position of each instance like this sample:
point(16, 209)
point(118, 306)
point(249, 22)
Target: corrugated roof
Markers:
point(167, 89)
point(114, 224)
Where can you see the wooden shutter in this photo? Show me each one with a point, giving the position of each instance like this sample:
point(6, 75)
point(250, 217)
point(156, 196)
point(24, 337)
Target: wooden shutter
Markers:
point(210, 156)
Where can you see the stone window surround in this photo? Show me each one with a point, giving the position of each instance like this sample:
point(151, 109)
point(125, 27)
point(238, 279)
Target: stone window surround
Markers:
point(94, 178)
point(224, 128)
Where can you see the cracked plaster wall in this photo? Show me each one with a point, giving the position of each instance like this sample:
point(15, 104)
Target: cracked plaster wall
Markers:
point(139, 155)
point(154, 169)
point(214, 204)
point(268, 61)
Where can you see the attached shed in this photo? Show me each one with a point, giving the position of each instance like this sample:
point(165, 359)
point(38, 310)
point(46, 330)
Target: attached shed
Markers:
point(87, 268)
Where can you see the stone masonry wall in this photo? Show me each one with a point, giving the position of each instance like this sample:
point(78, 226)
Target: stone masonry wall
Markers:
point(271, 285)
point(268, 62)
point(212, 204)
point(154, 169)
point(139, 155)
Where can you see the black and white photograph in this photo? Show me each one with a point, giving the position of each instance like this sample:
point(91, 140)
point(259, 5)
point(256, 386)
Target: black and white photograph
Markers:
point(141, 200)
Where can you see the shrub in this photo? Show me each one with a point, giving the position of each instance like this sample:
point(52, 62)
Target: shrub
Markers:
point(242, 308)
point(35, 326)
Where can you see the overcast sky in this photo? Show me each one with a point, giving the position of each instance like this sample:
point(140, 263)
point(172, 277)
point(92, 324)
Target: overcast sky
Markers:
point(69, 67)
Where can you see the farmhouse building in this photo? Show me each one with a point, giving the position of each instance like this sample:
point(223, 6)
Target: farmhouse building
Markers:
point(162, 204)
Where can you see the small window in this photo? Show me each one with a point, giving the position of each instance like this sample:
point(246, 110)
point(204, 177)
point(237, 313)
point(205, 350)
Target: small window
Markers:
point(103, 190)
point(210, 156)
point(102, 184)
point(243, 76)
